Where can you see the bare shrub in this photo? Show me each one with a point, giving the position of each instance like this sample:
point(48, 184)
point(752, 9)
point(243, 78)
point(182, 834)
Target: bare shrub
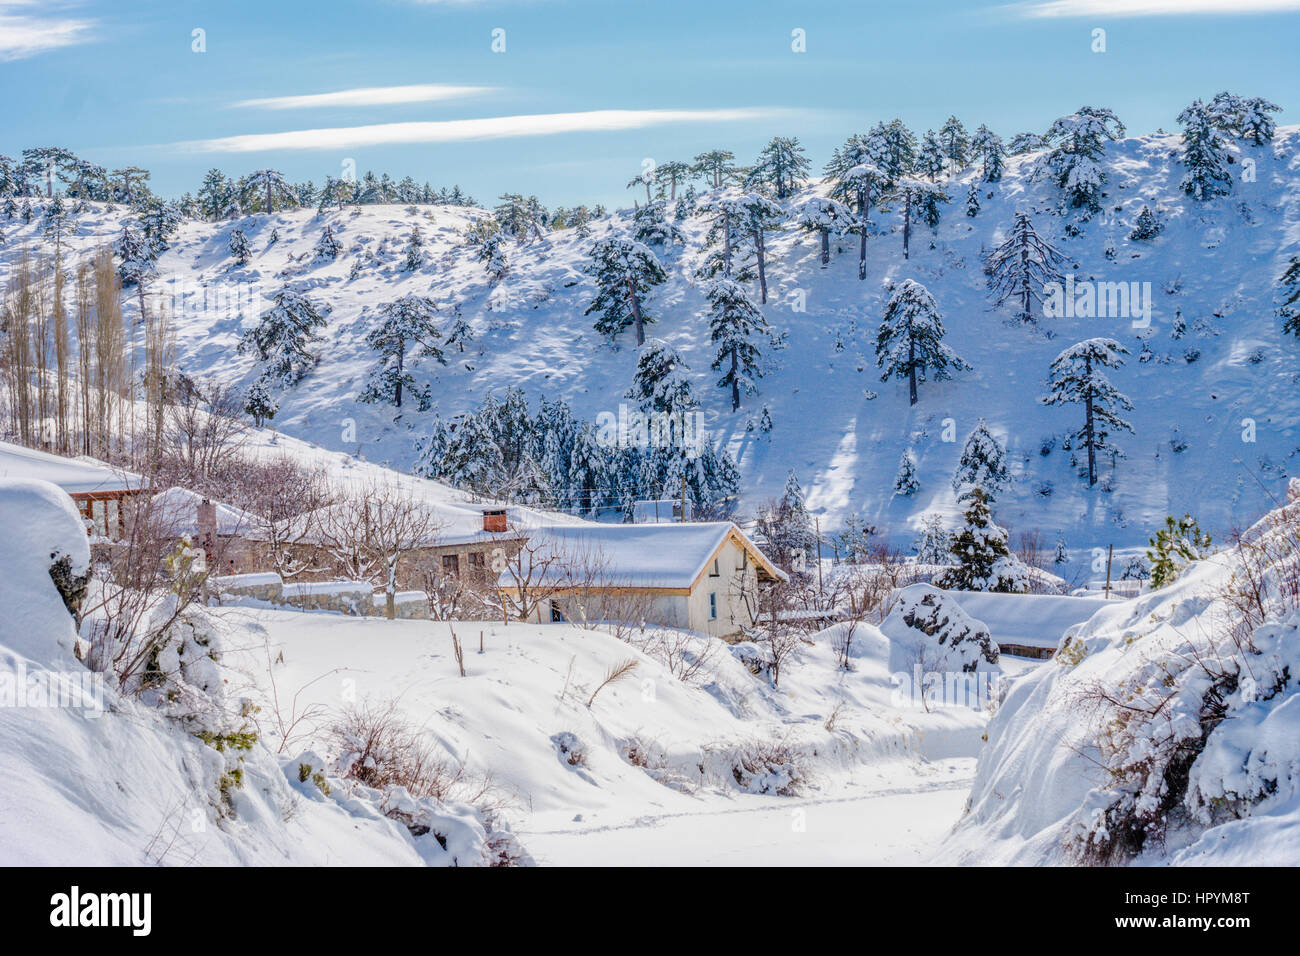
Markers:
point(616, 672)
point(379, 748)
point(767, 766)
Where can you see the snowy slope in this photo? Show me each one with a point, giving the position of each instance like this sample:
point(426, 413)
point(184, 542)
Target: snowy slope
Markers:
point(1216, 263)
point(1062, 766)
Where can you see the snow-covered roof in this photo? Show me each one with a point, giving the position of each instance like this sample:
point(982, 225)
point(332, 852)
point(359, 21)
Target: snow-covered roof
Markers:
point(76, 476)
point(179, 509)
point(639, 555)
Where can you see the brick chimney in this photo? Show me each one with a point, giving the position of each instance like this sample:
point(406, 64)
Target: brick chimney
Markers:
point(494, 519)
point(207, 523)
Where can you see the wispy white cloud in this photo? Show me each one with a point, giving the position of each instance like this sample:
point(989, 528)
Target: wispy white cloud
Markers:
point(28, 28)
point(450, 131)
point(367, 96)
point(1149, 8)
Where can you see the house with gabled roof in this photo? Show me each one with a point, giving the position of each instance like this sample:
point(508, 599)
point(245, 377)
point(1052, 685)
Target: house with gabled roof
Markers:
point(701, 576)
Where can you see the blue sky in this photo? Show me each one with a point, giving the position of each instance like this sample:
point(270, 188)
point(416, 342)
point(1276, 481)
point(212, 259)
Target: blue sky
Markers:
point(622, 81)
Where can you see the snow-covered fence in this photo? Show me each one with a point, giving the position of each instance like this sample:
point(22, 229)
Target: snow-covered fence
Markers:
point(263, 586)
point(343, 597)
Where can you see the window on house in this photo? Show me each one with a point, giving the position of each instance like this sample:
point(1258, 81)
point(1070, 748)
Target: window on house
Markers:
point(451, 565)
point(713, 571)
point(478, 564)
point(713, 606)
point(556, 614)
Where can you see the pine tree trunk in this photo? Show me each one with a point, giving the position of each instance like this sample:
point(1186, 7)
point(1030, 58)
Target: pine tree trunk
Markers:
point(864, 203)
point(397, 393)
point(735, 382)
point(1088, 428)
point(911, 369)
point(907, 221)
point(636, 313)
point(762, 269)
point(826, 247)
point(726, 245)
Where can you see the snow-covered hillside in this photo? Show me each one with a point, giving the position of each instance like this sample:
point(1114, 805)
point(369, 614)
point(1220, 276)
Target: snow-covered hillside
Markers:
point(837, 425)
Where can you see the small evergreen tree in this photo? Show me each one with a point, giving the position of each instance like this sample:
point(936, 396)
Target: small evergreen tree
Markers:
point(781, 168)
point(624, 271)
point(988, 146)
point(1174, 546)
point(1290, 309)
point(973, 200)
point(259, 403)
point(954, 143)
point(930, 162)
point(238, 246)
point(983, 561)
point(933, 542)
point(735, 326)
point(327, 247)
point(1021, 267)
point(1147, 226)
point(905, 481)
point(407, 331)
point(283, 336)
point(983, 462)
point(652, 226)
point(1077, 379)
point(909, 343)
point(414, 250)
point(1205, 155)
point(492, 253)
point(826, 217)
point(1073, 162)
point(660, 384)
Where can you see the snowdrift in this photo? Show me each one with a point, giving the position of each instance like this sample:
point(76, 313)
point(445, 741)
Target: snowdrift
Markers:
point(1166, 729)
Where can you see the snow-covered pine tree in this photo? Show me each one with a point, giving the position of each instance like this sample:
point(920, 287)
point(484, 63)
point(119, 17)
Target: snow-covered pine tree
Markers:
point(1147, 226)
point(728, 250)
point(826, 217)
point(781, 168)
point(758, 216)
point(765, 421)
point(660, 384)
point(859, 184)
point(1290, 308)
point(983, 462)
point(919, 199)
point(238, 246)
point(987, 145)
point(1077, 379)
point(909, 343)
point(955, 143)
point(327, 247)
point(892, 148)
point(492, 252)
point(984, 562)
point(717, 167)
point(930, 161)
point(652, 225)
point(259, 403)
point(137, 256)
point(1254, 122)
point(735, 326)
point(57, 224)
point(407, 331)
point(787, 529)
point(905, 480)
point(414, 250)
point(624, 271)
point(265, 190)
point(973, 200)
point(933, 541)
point(1205, 155)
point(283, 336)
point(1021, 267)
point(1062, 553)
point(1073, 161)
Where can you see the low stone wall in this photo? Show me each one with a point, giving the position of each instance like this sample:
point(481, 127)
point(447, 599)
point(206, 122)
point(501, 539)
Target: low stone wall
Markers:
point(262, 587)
point(342, 597)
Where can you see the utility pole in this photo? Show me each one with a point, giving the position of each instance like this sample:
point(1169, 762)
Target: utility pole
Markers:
point(683, 497)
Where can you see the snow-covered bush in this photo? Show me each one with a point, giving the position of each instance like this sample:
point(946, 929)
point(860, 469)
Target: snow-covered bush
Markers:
point(774, 767)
